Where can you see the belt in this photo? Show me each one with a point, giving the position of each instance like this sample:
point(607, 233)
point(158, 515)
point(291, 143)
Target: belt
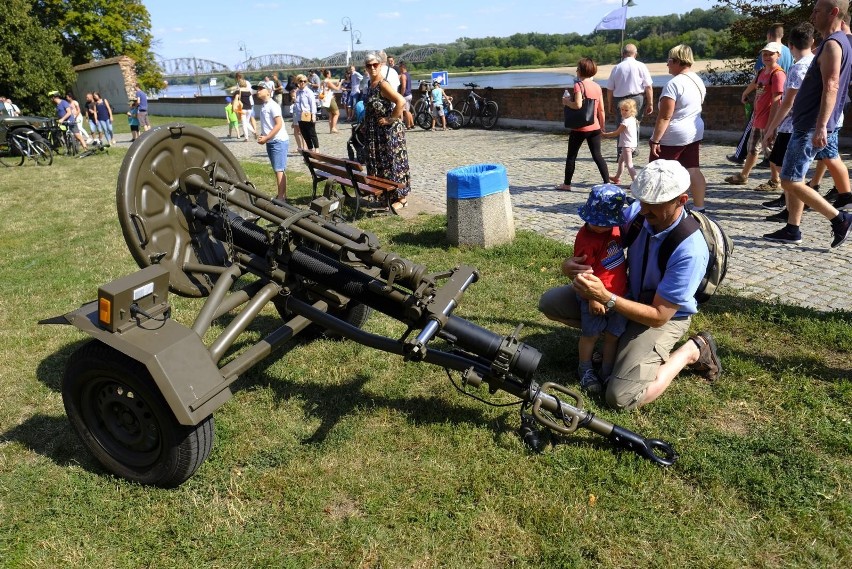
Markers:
point(143, 110)
point(631, 95)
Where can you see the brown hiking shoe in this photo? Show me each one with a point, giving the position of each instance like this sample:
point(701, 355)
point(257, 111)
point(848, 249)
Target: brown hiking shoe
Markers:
point(736, 180)
point(708, 366)
point(770, 186)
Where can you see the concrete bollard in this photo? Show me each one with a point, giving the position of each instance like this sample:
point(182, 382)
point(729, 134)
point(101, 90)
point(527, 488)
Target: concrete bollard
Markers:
point(479, 209)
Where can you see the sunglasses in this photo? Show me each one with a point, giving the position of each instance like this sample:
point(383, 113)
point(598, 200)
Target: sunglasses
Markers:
point(372, 65)
point(302, 81)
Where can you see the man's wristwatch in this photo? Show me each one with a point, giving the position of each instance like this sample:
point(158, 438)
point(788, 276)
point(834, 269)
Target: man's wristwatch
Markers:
point(610, 304)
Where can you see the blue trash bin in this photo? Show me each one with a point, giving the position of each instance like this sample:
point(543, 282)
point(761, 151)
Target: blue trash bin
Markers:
point(476, 181)
point(479, 208)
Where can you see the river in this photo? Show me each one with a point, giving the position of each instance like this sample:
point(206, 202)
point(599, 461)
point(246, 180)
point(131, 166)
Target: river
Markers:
point(498, 80)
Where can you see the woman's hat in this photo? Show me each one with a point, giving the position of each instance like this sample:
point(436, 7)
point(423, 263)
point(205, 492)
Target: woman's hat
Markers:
point(605, 206)
point(660, 181)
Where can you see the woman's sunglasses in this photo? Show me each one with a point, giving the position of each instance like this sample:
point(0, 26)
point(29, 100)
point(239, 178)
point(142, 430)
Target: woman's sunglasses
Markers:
point(372, 65)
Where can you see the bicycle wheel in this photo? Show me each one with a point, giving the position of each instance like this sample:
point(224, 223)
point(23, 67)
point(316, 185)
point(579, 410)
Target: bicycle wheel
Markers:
point(10, 155)
point(489, 116)
point(420, 107)
point(423, 119)
point(467, 113)
point(41, 153)
point(71, 145)
point(455, 119)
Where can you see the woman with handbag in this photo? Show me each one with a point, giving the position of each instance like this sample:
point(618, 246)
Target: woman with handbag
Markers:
point(329, 101)
point(584, 90)
point(680, 128)
point(305, 107)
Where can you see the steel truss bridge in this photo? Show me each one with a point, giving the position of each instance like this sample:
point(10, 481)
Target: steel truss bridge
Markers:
point(194, 67)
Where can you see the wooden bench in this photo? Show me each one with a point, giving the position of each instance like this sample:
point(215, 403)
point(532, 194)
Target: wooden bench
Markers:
point(352, 178)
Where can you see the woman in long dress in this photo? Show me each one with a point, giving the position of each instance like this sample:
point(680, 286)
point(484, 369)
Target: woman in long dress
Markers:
point(386, 152)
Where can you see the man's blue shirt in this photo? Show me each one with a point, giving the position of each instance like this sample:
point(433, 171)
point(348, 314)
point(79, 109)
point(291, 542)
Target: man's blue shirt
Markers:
point(684, 271)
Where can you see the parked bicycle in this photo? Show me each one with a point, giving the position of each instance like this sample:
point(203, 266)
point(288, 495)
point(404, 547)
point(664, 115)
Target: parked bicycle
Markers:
point(423, 110)
point(454, 118)
point(477, 106)
point(61, 139)
point(22, 144)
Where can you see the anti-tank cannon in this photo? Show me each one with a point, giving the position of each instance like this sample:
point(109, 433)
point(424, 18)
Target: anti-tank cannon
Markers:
point(142, 394)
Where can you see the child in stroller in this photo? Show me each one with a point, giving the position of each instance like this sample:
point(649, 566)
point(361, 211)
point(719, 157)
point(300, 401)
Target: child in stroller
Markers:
point(356, 145)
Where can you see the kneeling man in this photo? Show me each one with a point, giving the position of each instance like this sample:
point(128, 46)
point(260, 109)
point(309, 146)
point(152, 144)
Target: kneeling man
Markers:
point(658, 307)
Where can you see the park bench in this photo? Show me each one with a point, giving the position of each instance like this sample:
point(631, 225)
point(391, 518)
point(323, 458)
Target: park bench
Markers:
point(351, 177)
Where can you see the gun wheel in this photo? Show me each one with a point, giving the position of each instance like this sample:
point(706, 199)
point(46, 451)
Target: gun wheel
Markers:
point(124, 422)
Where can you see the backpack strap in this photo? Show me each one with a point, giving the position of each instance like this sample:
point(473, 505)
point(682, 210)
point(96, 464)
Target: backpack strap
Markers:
point(633, 230)
point(687, 226)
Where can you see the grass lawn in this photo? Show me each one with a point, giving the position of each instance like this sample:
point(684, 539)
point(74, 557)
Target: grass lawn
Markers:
point(331, 454)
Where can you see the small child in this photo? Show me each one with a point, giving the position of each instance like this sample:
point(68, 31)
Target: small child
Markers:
point(628, 136)
point(600, 241)
point(438, 106)
point(233, 120)
point(133, 118)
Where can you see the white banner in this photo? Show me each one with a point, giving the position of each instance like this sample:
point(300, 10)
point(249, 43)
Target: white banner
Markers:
point(615, 20)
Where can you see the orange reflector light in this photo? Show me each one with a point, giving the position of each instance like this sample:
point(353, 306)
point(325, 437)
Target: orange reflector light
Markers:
point(104, 311)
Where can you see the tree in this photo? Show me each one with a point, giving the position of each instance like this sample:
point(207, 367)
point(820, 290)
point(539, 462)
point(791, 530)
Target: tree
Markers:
point(100, 29)
point(760, 14)
point(31, 61)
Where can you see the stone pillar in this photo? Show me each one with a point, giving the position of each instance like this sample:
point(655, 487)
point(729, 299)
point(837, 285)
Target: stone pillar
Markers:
point(479, 208)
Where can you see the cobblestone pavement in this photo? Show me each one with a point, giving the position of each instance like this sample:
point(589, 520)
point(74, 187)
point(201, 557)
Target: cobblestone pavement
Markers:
point(810, 274)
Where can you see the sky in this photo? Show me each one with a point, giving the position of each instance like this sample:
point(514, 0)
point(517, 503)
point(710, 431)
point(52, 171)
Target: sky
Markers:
point(218, 29)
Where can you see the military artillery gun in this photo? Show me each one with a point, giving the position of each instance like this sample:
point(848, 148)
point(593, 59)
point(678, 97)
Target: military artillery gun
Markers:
point(142, 394)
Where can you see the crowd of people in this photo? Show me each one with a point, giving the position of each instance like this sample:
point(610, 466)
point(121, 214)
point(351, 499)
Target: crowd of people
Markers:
point(641, 305)
point(382, 90)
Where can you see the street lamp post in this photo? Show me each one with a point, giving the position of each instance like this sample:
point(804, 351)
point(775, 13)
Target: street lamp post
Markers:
point(354, 36)
point(244, 49)
point(629, 4)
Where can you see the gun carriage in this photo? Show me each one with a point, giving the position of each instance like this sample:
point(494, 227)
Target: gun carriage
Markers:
point(142, 393)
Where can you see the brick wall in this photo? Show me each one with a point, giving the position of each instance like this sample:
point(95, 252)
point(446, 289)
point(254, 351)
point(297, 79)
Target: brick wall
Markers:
point(722, 108)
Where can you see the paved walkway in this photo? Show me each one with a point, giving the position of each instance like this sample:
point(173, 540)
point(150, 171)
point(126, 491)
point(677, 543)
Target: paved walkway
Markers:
point(811, 274)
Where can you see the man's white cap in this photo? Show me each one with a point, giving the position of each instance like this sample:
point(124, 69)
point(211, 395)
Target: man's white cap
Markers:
point(660, 181)
point(773, 46)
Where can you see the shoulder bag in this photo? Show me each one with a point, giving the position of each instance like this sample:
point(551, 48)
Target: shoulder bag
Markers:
point(584, 116)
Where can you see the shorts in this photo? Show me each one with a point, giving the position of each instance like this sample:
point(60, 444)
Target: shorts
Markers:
point(72, 126)
point(408, 103)
point(438, 112)
point(641, 352)
point(688, 155)
point(276, 150)
point(755, 140)
point(333, 108)
point(142, 115)
point(801, 152)
point(234, 124)
point(593, 325)
point(134, 128)
point(93, 126)
point(779, 148)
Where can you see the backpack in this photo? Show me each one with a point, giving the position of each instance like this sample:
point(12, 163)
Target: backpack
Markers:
point(719, 244)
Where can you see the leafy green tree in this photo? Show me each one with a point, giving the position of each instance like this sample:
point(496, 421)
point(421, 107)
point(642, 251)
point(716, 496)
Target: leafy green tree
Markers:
point(100, 29)
point(760, 14)
point(31, 61)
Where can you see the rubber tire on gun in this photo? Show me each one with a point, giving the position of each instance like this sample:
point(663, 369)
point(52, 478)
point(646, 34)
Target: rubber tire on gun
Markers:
point(122, 419)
